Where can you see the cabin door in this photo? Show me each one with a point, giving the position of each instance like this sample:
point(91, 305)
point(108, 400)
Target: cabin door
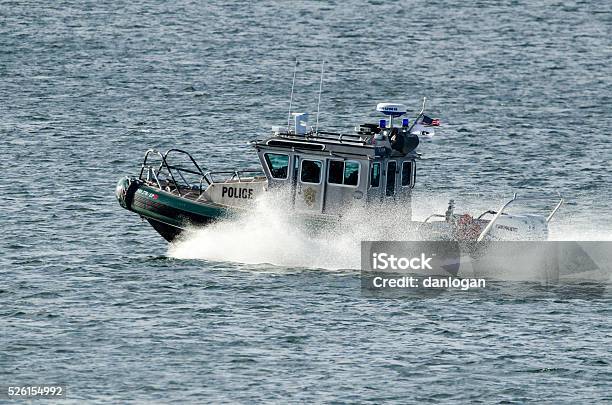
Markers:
point(390, 179)
point(310, 185)
point(374, 185)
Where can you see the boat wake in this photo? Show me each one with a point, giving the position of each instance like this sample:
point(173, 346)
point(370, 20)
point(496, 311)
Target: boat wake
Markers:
point(270, 234)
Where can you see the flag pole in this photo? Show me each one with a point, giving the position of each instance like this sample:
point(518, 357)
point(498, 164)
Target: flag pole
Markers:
point(418, 116)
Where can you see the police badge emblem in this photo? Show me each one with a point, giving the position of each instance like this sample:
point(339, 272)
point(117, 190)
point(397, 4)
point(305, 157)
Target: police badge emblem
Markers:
point(310, 195)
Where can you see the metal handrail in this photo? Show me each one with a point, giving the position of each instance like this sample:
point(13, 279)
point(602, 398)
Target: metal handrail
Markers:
point(433, 216)
point(234, 173)
point(340, 137)
point(205, 176)
point(487, 212)
point(499, 213)
point(188, 155)
point(164, 164)
point(528, 198)
point(181, 169)
point(156, 179)
point(339, 134)
point(146, 157)
point(552, 213)
point(484, 233)
point(334, 136)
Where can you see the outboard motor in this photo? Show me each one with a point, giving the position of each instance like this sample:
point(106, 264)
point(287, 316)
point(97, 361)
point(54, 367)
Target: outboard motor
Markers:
point(520, 227)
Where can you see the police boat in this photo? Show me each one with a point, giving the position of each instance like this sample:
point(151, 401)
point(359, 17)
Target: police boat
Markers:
point(321, 175)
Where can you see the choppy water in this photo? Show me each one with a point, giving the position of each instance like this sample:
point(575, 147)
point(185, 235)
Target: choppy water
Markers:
point(92, 298)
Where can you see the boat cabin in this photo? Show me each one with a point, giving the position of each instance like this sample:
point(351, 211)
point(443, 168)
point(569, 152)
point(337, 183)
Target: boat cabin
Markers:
point(326, 172)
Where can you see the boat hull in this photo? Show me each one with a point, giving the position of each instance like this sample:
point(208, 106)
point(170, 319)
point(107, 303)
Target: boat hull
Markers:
point(168, 213)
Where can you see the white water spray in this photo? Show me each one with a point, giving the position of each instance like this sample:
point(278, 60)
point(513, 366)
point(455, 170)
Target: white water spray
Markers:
point(270, 233)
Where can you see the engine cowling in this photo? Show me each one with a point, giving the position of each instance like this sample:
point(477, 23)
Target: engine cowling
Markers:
point(520, 227)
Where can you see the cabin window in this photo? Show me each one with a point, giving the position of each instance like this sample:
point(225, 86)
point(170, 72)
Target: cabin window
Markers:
point(344, 173)
point(278, 165)
point(407, 168)
point(375, 175)
point(351, 173)
point(391, 168)
point(311, 171)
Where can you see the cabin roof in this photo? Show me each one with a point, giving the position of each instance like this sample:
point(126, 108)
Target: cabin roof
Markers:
point(326, 143)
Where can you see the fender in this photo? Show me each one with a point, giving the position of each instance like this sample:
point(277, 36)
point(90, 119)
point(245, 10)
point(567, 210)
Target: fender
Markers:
point(125, 190)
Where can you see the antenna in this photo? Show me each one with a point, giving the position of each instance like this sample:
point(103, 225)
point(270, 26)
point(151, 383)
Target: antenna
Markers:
point(319, 103)
point(291, 99)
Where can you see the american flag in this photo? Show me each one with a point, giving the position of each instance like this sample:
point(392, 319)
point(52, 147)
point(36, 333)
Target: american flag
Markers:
point(434, 122)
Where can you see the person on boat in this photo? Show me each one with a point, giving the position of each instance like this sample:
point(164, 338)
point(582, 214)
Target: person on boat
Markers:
point(396, 139)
